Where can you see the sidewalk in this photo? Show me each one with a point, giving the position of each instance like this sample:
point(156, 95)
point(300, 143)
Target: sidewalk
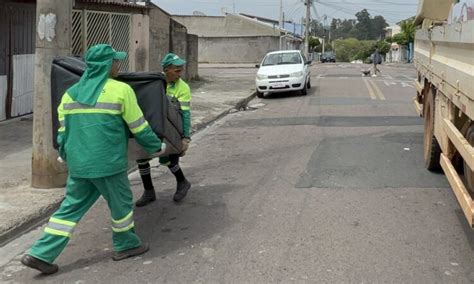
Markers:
point(23, 207)
point(227, 65)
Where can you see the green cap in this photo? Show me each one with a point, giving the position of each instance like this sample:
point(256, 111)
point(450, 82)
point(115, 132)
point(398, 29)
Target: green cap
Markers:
point(103, 53)
point(99, 59)
point(172, 59)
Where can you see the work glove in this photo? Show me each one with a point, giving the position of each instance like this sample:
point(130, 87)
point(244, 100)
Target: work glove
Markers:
point(60, 158)
point(162, 151)
point(185, 145)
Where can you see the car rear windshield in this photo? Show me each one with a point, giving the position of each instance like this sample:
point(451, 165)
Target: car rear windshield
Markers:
point(328, 54)
point(282, 58)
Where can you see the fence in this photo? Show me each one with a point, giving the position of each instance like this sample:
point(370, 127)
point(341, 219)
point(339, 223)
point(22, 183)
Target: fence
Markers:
point(94, 27)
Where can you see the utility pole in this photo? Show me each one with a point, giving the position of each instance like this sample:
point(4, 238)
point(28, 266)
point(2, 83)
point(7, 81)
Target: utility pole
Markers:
point(280, 22)
point(53, 38)
point(306, 34)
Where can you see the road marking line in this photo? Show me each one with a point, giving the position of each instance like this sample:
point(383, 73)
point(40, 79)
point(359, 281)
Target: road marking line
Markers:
point(404, 85)
point(371, 92)
point(377, 90)
point(389, 83)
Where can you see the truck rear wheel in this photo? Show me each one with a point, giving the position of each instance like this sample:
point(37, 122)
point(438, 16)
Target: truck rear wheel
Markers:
point(431, 149)
point(468, 173)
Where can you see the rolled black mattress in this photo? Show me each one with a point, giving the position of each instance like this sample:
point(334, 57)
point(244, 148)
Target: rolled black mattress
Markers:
point(163, 116)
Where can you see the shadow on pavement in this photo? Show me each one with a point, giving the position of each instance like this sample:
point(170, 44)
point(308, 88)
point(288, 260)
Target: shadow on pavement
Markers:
point(285, 95)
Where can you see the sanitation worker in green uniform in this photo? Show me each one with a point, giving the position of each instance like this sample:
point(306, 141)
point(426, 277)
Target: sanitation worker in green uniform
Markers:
point(179, 91)
point(96, 115)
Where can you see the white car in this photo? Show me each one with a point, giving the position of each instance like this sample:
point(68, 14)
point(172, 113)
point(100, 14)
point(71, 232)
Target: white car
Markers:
point(283, 71)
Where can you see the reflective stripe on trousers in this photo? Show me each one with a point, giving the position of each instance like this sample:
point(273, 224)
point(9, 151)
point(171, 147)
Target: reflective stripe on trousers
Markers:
point(60, 227)
point(123, 224)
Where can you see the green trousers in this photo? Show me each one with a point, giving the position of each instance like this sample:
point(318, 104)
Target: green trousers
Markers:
point(81, 194)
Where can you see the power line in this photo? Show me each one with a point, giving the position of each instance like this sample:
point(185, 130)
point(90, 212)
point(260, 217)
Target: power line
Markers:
point(346, 10)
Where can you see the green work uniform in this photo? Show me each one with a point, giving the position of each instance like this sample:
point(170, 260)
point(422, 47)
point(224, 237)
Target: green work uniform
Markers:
point(93, 141)
point(181, 92)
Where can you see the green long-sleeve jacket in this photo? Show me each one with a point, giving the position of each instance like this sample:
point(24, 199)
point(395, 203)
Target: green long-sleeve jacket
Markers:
point(94, 139)
point(181, 91)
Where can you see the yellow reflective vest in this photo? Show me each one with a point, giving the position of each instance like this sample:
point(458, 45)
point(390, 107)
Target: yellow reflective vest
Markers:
point(94, 139)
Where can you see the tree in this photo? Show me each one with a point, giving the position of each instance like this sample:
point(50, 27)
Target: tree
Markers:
point(362, 29)
point(317, 29)
point(408, 30)
point(353, 49)
point(313, 42)
point(346, 26)
point(407, 33)
point(342, 28)
point(400, 39)
point(383, 46)
point(378, 27)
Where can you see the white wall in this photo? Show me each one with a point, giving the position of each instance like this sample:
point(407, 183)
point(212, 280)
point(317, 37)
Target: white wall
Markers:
point(230, 25)
point(236, 49)
point(23, 84)
point(3, 97)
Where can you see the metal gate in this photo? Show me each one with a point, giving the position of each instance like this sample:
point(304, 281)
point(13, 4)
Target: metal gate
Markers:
point(93, 27)
point(17, 48)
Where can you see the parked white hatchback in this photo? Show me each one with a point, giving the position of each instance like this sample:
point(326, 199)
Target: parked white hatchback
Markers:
point(283, 71)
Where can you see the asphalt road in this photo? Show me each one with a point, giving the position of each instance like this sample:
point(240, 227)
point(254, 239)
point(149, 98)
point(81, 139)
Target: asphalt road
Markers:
point(325, 188)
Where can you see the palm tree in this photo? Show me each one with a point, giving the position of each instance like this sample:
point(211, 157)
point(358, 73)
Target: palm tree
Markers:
point(407, 33)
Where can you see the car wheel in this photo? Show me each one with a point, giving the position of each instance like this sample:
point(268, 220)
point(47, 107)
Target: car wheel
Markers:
point(259, 94)
point(304, 91)
point(309, 84)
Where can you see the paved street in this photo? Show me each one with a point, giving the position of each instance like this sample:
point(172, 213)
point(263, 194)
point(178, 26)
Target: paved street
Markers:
point(324, 188)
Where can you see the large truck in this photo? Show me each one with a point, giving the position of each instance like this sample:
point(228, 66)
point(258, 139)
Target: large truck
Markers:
point(444, 60)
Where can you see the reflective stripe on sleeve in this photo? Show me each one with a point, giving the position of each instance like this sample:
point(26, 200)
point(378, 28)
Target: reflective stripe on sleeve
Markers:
point(62, 125)
point(185, 105)
point(138, 125)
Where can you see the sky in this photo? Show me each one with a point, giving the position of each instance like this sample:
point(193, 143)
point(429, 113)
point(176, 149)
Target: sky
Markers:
point(392, 10)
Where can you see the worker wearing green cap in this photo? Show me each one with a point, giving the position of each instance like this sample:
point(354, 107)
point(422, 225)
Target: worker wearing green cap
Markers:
point(95, 116)
point(178, 91)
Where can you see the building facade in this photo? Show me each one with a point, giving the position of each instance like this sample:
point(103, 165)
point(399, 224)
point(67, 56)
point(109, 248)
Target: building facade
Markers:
point(142, 29)
point(236, 38)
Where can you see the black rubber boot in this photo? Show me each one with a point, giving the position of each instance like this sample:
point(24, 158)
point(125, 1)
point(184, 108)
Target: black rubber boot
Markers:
point(38, 264)
point(181, 190)
point(147, 198)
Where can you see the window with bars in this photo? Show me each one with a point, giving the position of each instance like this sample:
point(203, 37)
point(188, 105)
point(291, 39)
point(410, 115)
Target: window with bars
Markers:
point(94, 27)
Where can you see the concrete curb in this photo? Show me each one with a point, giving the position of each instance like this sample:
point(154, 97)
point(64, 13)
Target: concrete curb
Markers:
point(405, 65)
point(228, 67)
point(239, 105)
point(29, 222)
point(34, 220)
